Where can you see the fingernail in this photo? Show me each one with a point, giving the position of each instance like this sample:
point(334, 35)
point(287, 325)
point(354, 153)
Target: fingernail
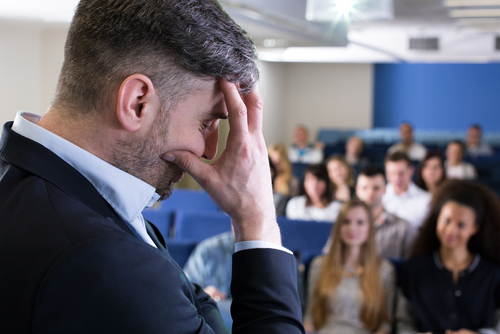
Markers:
point(169, 157)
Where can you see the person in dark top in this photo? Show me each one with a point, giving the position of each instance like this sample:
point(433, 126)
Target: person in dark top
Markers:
point(430, 171)
point(452, 282)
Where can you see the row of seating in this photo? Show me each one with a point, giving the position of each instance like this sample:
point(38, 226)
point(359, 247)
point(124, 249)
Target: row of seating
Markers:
point(391, 135)
point(183, 229)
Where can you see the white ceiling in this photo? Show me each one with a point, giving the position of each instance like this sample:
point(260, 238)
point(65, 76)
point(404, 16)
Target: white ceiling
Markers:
point(282, 24)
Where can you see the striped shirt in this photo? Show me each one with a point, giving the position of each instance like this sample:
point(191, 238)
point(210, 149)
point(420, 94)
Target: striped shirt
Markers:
point(394, 236)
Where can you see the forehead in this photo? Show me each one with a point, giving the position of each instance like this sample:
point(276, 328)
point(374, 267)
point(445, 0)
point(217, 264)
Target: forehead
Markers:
point(396, 165)
point(458, 211)
point(370, 180)
point(357, 212)
point(204, 98)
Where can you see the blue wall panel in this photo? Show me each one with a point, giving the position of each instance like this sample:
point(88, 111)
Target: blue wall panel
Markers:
point(437, 96)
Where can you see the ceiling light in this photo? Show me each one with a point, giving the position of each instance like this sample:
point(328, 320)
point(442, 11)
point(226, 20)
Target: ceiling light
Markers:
point(458, 13)
point(471, 3)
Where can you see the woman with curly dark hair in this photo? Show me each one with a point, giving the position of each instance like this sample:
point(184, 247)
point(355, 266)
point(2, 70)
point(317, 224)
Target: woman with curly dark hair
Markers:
point(451, 284)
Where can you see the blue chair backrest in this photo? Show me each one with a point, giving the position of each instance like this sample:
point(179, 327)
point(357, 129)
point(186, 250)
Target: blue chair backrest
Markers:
point(197, 225)
point(180, 250)
point(307, 237)
point(161, 219)
point(187, 199)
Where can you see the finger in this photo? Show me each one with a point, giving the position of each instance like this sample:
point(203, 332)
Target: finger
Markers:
point(254, 104)
point(189, 163)
point(237, 111)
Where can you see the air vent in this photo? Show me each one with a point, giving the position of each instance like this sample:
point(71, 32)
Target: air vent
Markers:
point(425, 43)
point(497, 43)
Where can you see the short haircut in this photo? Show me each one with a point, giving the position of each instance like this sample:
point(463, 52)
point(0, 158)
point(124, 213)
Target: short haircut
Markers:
point(477, 127)
point(398, 156)
point(170, 41)
point(459, 143)
point(372, 171)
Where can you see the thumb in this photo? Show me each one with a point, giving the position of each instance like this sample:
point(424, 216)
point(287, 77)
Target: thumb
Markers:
point(189, 163)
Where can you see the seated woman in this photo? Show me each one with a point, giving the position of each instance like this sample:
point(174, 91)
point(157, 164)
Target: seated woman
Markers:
point(351, 289)
point(430, 171)
point(456, 167)
point(341, 177)
point(452, 282)
point(316, 203)
point(285, 182)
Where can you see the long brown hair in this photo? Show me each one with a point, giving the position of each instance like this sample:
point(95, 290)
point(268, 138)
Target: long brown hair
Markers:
point(284, 175)
point(373, 304)
point(479, 198)
point(318, 171)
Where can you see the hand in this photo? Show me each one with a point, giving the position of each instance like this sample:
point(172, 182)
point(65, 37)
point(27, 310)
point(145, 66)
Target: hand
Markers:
point(239, 181)
point(460, 331)
point(309, 327)
point(215, 293)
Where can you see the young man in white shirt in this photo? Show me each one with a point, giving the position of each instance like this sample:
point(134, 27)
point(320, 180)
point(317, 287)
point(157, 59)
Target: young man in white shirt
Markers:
point(403, 198)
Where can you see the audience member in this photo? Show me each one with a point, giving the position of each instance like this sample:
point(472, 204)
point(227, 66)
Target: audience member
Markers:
point(351, 289)
point(341, 177)
point(431, 171)
point(393, 234)
point(280, 200)
point(209, 266)
point(285, 182)
point(452, 282)
point(456, 167)
point(316, 203)
point(353, 154)
point(414, 150)
point(402, 197)
point(301, 151)
point(475, 148)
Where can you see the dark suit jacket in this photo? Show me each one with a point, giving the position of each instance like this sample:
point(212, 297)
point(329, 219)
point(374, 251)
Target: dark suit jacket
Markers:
point(70, 264)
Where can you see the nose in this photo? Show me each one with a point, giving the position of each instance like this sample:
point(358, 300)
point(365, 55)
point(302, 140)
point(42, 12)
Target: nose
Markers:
point(211, 141)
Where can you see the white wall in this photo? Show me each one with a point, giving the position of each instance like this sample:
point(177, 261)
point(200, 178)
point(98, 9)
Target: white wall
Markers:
point(30, 59)
point(316, 94)
point(319, 95)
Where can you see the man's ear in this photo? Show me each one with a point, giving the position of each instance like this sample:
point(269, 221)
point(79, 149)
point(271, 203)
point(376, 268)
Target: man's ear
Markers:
point(137, 102)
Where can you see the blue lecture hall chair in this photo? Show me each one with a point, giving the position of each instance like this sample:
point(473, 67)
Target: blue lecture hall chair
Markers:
point(198, 225)
point(188, 199)
point(180, 250)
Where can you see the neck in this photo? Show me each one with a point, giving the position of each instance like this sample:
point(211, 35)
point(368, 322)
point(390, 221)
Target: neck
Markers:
point(301, 145)
point(454, 163)
point(316, 201)
point(430, 187)
point(77, 132)
point(459, 258)
point(376, 212)
point(400, 191)
point(352, 254)
point(351, 158)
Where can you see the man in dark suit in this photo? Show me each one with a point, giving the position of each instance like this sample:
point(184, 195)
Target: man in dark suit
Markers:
point(142, 88)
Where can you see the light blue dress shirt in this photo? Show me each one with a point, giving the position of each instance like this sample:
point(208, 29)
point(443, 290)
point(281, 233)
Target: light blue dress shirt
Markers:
point(126, 194)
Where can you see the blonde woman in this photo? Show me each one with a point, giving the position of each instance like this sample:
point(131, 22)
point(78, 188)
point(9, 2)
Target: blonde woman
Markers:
point(285, 182)
point(351, 289)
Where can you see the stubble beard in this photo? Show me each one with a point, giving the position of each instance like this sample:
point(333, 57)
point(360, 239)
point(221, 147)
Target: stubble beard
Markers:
point(142, 158)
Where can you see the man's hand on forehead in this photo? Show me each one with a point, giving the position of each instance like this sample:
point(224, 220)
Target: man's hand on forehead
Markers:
point(239, 181)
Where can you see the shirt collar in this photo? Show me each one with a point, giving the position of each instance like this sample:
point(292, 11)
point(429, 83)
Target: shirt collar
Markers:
point(412, 190)
point(126, 194)
point(440, 265)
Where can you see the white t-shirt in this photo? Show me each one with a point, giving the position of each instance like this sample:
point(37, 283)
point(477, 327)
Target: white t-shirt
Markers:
point(415, 152)
point(308, 155)
point(412, 205)
point(297, 209)
point(462, 171)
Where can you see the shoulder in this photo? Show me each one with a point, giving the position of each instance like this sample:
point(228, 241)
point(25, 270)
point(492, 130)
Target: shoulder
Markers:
point(317, 262)
point(297, 201)
point(386, 269)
